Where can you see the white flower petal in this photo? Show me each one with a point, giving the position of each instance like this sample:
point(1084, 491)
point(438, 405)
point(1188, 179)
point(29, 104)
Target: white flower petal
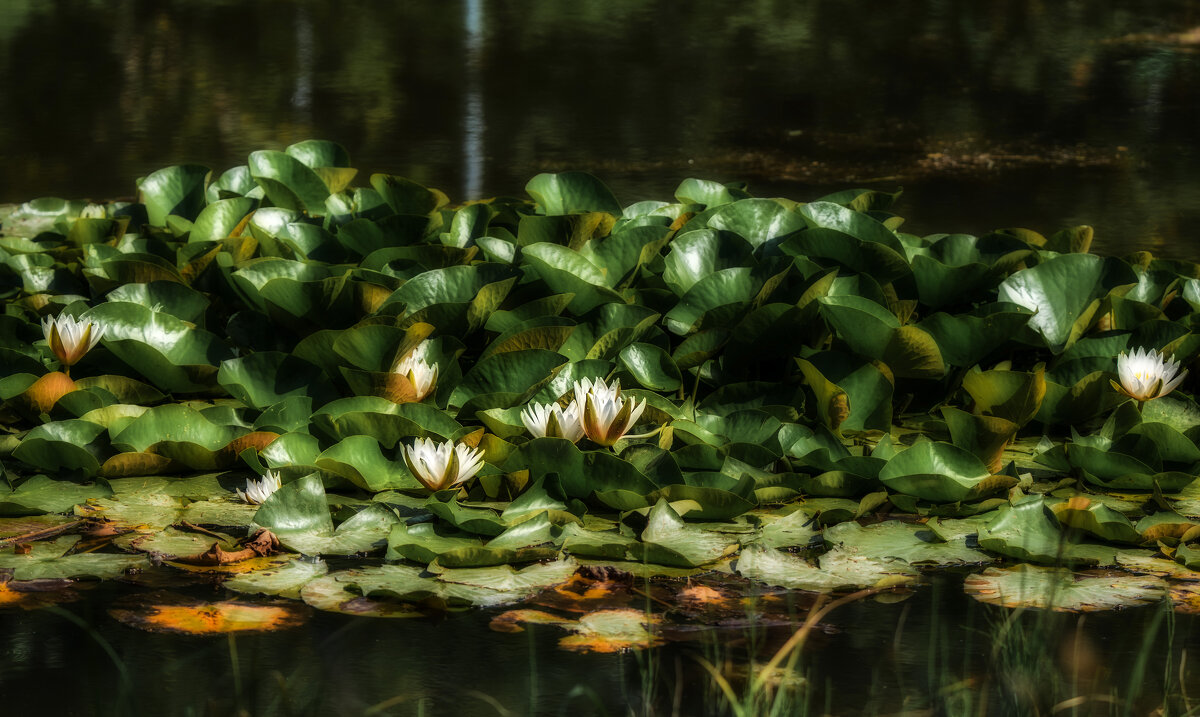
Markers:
point(1147, 374)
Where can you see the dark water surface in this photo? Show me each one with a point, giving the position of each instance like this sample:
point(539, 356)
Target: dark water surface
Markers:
point(938, 652)
point(989, 114)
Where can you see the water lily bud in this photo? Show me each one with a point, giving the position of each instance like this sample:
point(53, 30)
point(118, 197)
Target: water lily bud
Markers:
point(420, 374)
point(69, 338)
point(257, 491)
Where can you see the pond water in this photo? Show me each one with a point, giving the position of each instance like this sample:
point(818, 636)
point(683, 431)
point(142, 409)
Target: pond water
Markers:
point(1020, 113)
point(1016, 113)
point(937, 652)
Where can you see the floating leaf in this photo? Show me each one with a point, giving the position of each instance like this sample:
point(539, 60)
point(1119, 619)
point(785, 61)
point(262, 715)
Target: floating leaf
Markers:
point(941, 472)
point(52, 559)
point(913, 544)
point(669, 541)
point(286, 580)
point(1026, 531)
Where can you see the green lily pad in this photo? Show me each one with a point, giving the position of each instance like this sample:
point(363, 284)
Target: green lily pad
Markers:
point(40, 494)
point(177, 190)
point(288, 182)
point(941, 472)
point(165, 350)
point(360, 460)
point(63, 446)
point(287, 580)
point(1096, 519)
point(265, 378)
point(570, 192)
point(342, 591)
point(1026, 531)
point(50, 559)
point(914, 544)
point(298, 514)
point(1065, 291)
point(225, 512)
point(423, 543)
point(797, 529)
point(171, 543)
point(668, 540)
point(599, 544)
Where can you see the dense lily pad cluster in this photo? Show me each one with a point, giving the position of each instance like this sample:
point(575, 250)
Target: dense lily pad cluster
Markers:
point(824, 400)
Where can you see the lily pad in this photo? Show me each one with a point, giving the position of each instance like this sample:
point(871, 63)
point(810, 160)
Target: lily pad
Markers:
point(668, 540)
point(914, 544)
point(53, 559)
point(286, 580)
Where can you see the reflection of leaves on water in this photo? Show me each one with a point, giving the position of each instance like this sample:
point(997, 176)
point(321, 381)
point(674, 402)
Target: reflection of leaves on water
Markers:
point(169, 612)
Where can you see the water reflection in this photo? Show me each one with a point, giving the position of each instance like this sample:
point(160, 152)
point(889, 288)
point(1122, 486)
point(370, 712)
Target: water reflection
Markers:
point(938, 652)
point(473, 119)
point(1041, 114)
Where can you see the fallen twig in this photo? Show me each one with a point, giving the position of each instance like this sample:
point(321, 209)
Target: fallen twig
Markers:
point(41, 534)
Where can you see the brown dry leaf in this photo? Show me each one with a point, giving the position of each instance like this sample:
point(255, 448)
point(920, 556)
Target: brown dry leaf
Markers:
point(260, 545)
point(105, 528)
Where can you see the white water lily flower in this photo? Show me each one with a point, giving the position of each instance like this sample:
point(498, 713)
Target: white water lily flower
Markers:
point(1146, 375)
point(258, 491)
point(420, 374)
point(605, 416)
point(441, 465)
point(69, 338)
point(553, 421)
